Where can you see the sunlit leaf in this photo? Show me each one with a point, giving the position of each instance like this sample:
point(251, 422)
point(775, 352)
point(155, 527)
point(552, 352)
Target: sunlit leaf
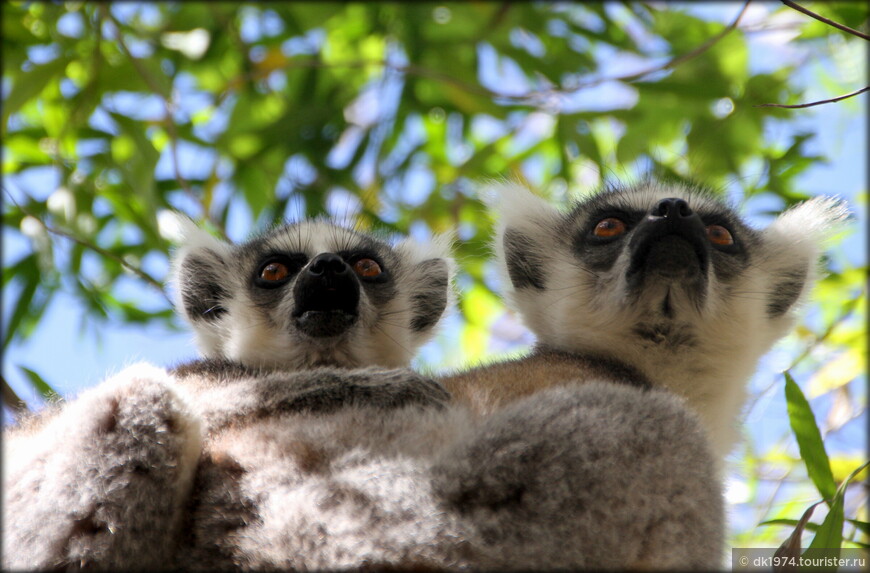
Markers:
point(809, 439)
point(30, 84)
point(830, 533)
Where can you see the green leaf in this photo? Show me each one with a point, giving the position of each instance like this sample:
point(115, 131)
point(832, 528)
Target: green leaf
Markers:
point(862, 526)
point(27, 271)
point(30, 84)
point(809, 439)
point(810, 526)
point(830, 533)
point(40, 384)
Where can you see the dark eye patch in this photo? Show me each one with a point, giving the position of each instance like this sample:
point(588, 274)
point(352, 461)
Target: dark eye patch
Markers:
point(293, 262)
point(352, 257)
point(629, 218)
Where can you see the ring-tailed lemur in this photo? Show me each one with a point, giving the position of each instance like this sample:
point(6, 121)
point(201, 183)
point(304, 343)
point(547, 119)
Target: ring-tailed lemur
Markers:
point(652, 284)
point(322, 467)
point(106, 479)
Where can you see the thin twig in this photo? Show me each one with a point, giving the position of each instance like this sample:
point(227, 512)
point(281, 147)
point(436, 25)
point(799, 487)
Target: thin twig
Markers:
point(813, 103)
point(837, 25)
point(420, 71)
point(97, 249)
point(677, 60)
point(673, 62)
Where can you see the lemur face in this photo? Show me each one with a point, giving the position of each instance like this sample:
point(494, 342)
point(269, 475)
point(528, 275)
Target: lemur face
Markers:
point(655, 267)
point(660, 250)
point(319, 291)
point(309, 294)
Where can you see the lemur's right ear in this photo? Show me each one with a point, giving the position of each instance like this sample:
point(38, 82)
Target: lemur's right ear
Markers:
point(792, 247)
point(429, 283)
point(526, 233)
point(200, 273)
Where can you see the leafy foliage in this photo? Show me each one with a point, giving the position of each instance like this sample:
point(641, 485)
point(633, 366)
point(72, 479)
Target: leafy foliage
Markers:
point(388, 114)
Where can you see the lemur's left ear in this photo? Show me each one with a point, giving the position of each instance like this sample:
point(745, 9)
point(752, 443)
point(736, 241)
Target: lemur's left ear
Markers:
point(792, 248)
point(526, 232)
point(200, 273)
point(429, 279)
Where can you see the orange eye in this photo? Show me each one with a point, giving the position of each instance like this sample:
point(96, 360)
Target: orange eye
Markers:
point(367, 268)
point(274, 272)
point(719, 235)
point(610, 227)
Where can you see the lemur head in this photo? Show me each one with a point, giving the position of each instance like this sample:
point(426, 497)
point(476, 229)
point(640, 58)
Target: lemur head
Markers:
point(665, 277)
point(310, 294)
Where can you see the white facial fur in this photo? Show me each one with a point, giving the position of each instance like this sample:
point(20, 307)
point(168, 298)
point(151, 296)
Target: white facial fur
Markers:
point(700, 335)
point(234, 319)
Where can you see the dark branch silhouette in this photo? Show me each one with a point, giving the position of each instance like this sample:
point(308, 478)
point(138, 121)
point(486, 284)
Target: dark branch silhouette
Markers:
point(813, 103)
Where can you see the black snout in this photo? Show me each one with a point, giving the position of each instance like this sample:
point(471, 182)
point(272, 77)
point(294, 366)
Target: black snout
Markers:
point(326, 297)
point(672, 208)
point(671, 217)
point(670, 241)
point(327, 264)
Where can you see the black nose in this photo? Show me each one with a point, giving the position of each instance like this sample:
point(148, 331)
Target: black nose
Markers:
point(326, 264)
point(672, 208)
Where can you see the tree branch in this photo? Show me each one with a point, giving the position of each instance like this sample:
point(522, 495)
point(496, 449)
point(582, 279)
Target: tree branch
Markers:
point(813, 103)
point(837, 25)
point(676, 60)
point(97, 249)
point(420, 71)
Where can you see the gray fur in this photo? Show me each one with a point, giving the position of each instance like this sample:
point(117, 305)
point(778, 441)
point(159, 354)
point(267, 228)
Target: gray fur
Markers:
point(104, 481)
point(578, 476)
point(525, 267)
point(584, 477)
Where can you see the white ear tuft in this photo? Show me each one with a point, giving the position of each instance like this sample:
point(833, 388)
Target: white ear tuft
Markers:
point(429, 283)
point(810, 223)
point(439, 246)
point(515, 204)
point(196, 268)
point(190, 237)
point(792, 247)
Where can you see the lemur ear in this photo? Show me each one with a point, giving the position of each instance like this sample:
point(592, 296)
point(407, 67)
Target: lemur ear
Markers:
point(430, 281)
point(199, 274)
point(525, 233)
point(793, 246)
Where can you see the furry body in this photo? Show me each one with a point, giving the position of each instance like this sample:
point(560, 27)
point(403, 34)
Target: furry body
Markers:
point(398, 479)
point(293, 449)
